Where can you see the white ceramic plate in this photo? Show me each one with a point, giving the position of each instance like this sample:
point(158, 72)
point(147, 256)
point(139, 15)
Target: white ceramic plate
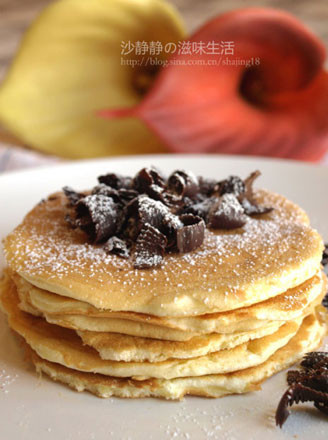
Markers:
point(35, 408)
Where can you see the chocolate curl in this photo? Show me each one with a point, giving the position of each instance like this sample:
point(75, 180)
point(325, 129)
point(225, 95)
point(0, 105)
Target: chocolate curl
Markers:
point(72, 195)
point(202, 209)
point(248, 182)
point(183, 184)
point(227, 213)
point(116, 214)
point(247, 199)
point(107, 191)
point(116, 246)
point(232, 185)
point(116, 181)
point(141, 211)
point(206, 186)
point(192, 233)
point(308, 384)
point(121, 195)
point(315, 360)
point(99, 216)
point(300, 393)
point(150, 182)
point(150, 248)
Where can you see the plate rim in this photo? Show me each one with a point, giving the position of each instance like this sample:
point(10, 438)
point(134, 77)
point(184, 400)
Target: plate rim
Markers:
point(225, 157)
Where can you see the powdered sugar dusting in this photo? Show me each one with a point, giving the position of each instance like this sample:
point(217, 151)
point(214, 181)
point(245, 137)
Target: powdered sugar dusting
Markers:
point(6, 379)
point(45, 245)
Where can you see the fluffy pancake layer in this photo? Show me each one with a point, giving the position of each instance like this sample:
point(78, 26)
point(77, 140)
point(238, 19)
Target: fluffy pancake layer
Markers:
point(308, 338)
point(232, 269)
point(79, 315)
point(63, 346)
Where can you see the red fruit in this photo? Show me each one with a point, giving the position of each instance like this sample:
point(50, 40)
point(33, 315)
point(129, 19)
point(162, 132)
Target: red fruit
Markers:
point(278, 107)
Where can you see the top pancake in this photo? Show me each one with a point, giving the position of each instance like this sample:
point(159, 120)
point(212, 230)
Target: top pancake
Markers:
point(232, 269)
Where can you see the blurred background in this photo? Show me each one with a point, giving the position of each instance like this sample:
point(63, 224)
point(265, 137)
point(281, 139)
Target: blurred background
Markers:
point(16, 16)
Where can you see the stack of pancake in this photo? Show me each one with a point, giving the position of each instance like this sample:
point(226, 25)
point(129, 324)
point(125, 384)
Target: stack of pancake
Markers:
point(215, 321)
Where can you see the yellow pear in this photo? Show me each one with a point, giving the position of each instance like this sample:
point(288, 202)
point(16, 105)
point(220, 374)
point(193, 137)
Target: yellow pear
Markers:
point(75, 60)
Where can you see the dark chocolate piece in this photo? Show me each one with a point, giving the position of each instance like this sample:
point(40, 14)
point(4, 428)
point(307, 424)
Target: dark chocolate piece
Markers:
point(116, 181)
point(126, 195)
point(122, 195)
point(206, 186)
point(150, 248)
point(121, 210)
point(310, 384)
point(315, 360)
point(117, 246)
point(72, 195)
point(99, 216)
point(247, 199)
point(202, 208)
point(226, 213)
point(191, 235)
point(249, 181)
point(232, 185)
point(143, 210)
point(107, 191)
point(251, 208)
point(300, 393)
point(183, 184)
point(149, 181)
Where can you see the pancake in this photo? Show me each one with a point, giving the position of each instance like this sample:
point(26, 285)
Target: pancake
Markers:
point(308, 338)
point(119, 347)
point(232, 269)
point(287, 306)
point(133, 328)
point(143, 329)
point(59, 345)
point(164, 305)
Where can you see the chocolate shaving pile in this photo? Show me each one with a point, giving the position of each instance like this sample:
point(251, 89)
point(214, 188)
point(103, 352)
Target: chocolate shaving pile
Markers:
point(310, 384)
point(149, 215)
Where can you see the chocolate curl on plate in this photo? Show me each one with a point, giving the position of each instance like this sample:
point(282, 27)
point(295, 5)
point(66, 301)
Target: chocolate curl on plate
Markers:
point(309, 384)
point(300, 393)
